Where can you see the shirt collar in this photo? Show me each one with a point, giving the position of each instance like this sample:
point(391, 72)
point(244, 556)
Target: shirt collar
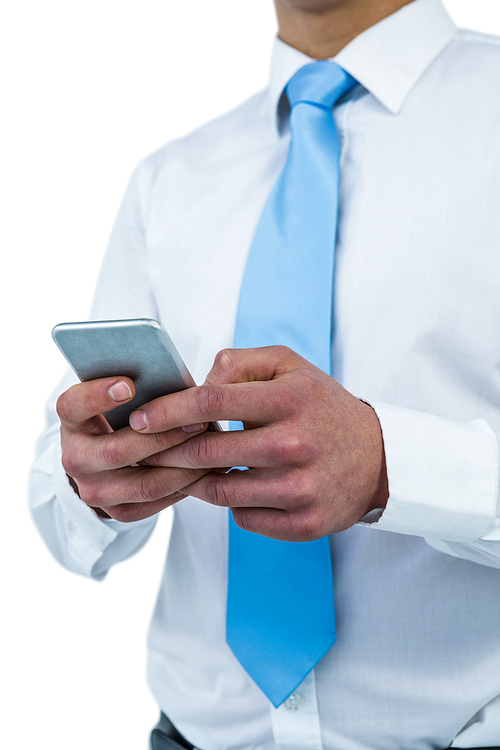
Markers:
point(387, 59)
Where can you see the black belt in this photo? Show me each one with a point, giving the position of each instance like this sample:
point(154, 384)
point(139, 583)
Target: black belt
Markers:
point(166, 737)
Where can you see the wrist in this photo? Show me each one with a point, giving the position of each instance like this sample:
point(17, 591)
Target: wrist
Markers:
point(380, 495)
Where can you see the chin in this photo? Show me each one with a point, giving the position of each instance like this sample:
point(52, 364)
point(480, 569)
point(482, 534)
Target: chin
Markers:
point(315, 6)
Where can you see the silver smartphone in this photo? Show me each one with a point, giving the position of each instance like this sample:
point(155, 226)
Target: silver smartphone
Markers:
point(139, 348)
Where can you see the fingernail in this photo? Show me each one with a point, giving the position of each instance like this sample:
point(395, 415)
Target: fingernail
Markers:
point(189, 428)
point(138, 419)
point(120, 391)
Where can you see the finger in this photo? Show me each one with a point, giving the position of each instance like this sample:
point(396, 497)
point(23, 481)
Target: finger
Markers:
point(133, 485)
point(82, 403)
point(263, 447)
point(254, 488)
point(260, 363)
point(254, 403)
point(271, 522)
point(263, 506)
point(129, 512)
point(92, 454)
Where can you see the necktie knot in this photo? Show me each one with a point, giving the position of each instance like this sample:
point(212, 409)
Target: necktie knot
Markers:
point(321, 83)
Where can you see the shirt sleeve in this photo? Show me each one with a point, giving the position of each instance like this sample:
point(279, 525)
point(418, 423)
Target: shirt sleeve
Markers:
point(443, 483)
point(77, 537)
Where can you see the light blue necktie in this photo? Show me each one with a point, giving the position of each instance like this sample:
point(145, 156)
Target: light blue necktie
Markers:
point(280, 611)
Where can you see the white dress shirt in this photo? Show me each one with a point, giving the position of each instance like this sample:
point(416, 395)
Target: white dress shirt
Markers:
point(417, 319)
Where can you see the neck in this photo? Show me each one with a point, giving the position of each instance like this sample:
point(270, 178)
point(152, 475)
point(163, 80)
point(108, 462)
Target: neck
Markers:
point(321, 28)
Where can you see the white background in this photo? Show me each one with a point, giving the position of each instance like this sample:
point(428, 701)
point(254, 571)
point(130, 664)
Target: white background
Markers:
point(87, 89)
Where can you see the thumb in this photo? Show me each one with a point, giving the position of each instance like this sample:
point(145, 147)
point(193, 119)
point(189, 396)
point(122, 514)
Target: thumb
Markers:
point(248, 365)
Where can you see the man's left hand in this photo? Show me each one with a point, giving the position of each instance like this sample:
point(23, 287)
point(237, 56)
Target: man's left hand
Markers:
point(315, 453)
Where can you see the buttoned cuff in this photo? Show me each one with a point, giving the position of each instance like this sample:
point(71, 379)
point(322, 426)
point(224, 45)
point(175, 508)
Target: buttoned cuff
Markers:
point(87, 534)
point(443, 476)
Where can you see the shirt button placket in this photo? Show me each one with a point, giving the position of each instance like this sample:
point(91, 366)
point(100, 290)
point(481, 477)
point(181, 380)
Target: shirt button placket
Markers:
point(293, 702)
point(296, 723)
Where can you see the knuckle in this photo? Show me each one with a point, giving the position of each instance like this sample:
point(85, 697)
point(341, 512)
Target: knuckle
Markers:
point(292, 448)
point(91, 494)
point(282, 351)
point(286, 359)
point(300, 488)
point(199, 450)
point(226, 359)
point(209, 400)
point(218, 494)
point(76, 400)
point(111, 451)
point(70, 463)
point(148, 488)
point(63, 406)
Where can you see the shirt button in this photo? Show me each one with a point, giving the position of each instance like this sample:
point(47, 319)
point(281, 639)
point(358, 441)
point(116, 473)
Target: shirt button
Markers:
point(293, 702)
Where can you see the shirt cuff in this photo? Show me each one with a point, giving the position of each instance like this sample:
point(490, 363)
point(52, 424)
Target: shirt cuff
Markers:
point(87, 534)
point(443, 476)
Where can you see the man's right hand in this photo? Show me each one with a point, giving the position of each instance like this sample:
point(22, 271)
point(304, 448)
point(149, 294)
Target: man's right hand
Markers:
point(103, 464)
